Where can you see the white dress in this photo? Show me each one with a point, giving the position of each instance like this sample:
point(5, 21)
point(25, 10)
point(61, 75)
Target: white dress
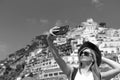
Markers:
point(83, 77)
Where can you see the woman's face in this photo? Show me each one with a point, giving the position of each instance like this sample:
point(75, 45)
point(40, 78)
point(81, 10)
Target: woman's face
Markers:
point(86, 55)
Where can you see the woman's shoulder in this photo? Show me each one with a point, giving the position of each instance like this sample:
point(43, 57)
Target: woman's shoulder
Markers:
point(73, 73)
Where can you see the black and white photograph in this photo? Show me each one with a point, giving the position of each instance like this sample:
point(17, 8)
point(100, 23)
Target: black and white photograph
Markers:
point(59, 40)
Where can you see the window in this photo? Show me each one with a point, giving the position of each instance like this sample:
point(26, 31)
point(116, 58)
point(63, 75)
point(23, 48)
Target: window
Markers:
point(49, 62)
point(50, 74)
point(60, 72)
point(46, 63)
point(43, 60)
point(45, 75)
point(55, 62)
point(55, 74)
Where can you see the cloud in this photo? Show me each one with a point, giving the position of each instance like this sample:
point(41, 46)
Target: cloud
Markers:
point(43, 21)
point(97, 3)
point(31, 20)
point(59, 23)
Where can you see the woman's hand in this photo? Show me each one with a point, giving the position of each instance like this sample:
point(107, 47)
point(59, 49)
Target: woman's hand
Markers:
point(112, 72)
point(53, 30)
point(111, 63)
point(103, 59)
point(94, 58)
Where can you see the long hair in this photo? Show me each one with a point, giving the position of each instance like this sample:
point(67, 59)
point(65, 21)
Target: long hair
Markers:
point(96, 56)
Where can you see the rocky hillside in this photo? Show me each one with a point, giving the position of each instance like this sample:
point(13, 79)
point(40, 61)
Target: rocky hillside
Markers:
point(17, 64)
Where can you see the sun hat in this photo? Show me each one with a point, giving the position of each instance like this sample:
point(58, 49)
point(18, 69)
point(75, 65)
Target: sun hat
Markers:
point(94, 48)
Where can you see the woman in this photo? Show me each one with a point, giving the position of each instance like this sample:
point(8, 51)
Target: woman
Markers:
point(89, 57)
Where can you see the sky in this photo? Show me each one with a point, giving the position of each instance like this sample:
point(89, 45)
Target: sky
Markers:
point(22, 20)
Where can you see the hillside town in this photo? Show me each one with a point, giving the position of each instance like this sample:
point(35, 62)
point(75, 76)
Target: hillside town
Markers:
point(35, 61)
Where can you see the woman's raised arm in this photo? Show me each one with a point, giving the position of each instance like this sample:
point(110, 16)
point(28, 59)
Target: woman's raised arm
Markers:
point(64, 67)
point(113, 72)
